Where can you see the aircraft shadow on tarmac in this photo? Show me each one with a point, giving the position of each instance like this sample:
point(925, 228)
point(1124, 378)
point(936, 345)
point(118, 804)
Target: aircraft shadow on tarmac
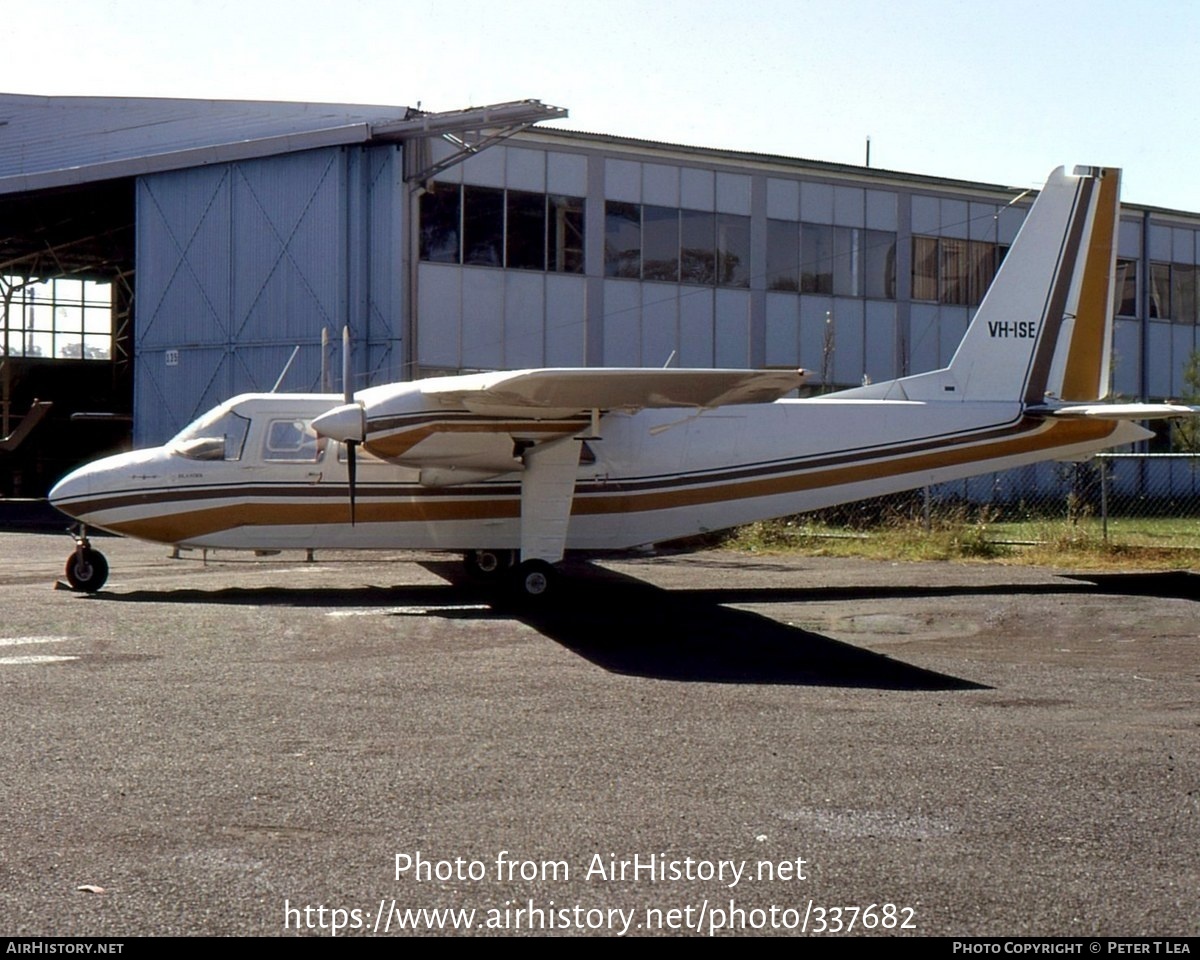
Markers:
point(632, 627)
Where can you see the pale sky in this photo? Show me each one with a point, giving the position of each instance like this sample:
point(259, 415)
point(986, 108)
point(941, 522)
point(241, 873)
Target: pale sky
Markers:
point(998, 92)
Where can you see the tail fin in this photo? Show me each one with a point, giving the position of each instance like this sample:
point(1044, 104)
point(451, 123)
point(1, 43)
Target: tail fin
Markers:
point(1044, 330)
point(1045, 326)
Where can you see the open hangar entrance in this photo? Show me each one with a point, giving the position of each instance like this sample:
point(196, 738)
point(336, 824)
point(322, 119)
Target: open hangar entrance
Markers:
point(66, 320)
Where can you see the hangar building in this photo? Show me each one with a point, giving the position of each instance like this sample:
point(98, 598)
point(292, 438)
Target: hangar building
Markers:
point(158, 256)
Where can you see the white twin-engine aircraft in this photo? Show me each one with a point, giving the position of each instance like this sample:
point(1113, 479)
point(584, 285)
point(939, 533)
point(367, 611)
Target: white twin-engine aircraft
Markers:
point(514, 468)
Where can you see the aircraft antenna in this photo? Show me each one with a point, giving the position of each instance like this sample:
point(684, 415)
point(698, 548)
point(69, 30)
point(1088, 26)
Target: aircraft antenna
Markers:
point(286, 367)
point(348, 396)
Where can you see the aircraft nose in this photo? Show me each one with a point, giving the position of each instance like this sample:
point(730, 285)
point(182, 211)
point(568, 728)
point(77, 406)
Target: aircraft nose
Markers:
point(68, 494)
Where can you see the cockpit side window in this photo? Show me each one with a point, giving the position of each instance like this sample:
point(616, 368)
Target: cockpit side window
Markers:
point(219, 435)
point(293, 440)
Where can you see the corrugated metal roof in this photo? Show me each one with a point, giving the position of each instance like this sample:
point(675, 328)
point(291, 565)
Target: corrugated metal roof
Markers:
point(57, 141)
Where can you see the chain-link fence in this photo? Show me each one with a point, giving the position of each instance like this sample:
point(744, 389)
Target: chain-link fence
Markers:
point(1134, 500)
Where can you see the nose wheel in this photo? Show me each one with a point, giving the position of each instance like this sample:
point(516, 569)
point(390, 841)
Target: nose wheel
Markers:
point(87, 568)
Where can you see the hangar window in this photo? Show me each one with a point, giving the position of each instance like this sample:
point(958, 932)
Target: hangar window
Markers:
point(525, 248)
point(698, 236)
point(954, 271)
point(441, 223)
point(485, 226)
point(1173, 292)
point(1126, 288)
point(816, 258)
point(1183, 293)
point(821, 258)
point(879, 264)
point(64, 318)
point(733, 250)
point(660, 243)
point(565, 254)
point(783, 255)
point(622, 240)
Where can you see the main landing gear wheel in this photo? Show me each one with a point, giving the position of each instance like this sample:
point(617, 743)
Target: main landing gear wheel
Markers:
point(87, 570)
point(535, 581)
point(488, 564)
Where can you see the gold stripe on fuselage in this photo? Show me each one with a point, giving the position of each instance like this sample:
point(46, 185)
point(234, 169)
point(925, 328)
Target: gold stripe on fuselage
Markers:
point(485, 502)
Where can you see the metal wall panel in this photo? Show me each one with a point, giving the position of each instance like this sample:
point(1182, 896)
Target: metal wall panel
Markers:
point(525, 170)
point(622, 324)
point(1127, 358)
point(1183, 342)
point(816, 202)
point(733, 194)
point(660, 185)
point(289, 240)
point(813, 313)
point(1129, 243)
point(848, 354)
point(956, 215)
point(439, 305)
point(849, 206)
point(660, 324)
point(697, 189)
point(696, 347)
point(486, 168)
point(183, 258)
point(783, 330)
point(239, 263)
point(524, 320)
point(923, 353)
point(483, 319)
point(566, 321)
point(952, 327)
point(623, 181)
point(566, 173)
point(783, 199)
point(879, 330)
point(881, 210)
point(731, 328)
point(1158, 350)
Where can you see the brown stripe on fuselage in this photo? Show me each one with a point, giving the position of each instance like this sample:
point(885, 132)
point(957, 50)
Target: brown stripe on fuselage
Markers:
point(191, 525)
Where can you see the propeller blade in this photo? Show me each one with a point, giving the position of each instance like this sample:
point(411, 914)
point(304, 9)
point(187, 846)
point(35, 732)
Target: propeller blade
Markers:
point(351, 473)
point(347, 387)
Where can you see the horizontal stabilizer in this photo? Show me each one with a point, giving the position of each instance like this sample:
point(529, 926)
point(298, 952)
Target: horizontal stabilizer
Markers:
point(1116, 411)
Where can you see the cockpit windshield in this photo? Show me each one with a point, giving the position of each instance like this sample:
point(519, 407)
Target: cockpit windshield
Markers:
point(219, 435)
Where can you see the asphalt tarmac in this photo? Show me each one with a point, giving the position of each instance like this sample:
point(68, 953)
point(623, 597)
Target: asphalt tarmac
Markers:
point(703, 743)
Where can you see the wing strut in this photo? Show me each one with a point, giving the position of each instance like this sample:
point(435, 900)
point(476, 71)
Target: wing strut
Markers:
point(547, 489)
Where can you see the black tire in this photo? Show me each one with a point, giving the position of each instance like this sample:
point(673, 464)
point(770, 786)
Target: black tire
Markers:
point(488, 564)
point(87, 570)
point(535, 581)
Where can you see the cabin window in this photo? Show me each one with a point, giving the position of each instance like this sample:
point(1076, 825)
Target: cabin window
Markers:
point(218, 435)
point(292, 440)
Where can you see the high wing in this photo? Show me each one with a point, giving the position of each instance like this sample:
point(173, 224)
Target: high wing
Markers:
point(468, 428)
point(572, 391)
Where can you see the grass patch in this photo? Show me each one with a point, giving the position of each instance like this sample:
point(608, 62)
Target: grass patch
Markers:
point(972, 534)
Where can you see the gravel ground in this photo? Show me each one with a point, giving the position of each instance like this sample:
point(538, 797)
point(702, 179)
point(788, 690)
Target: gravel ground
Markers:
point(267, 746)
